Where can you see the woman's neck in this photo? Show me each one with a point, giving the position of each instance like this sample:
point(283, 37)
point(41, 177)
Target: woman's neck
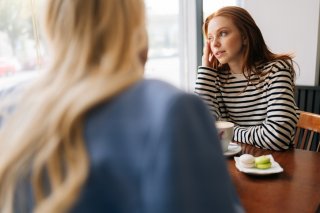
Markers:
point(237, 72)
point(235, 68)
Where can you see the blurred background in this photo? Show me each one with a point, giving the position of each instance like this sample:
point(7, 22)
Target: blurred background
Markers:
point(172, 28)
point(175, 38)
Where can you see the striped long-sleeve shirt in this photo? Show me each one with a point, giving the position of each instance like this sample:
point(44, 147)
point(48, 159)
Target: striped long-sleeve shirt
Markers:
point(264, 113)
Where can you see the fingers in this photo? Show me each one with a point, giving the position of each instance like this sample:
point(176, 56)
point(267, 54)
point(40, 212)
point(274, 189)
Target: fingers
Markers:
point(207, 55)
point(206, 47)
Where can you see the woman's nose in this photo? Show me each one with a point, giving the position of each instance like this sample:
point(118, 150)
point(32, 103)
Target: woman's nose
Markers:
point(216, 42)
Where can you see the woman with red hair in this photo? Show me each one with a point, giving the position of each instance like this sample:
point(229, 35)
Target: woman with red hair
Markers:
point(242, 81)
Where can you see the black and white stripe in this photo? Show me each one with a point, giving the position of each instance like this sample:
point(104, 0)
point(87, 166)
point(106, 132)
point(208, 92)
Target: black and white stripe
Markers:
point(265, 113)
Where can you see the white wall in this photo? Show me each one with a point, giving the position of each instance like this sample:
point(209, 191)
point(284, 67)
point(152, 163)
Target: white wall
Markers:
point(291, 26)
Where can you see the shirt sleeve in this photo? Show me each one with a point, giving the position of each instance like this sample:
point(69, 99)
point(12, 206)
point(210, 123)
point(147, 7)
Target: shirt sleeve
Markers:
point(186, 169)
point(208, 89)
point(277, 131)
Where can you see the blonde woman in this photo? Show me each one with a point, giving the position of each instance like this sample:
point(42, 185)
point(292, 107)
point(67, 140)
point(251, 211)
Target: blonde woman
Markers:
point(90, 135)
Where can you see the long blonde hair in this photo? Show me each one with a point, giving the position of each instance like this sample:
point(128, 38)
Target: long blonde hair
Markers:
point(95, 48)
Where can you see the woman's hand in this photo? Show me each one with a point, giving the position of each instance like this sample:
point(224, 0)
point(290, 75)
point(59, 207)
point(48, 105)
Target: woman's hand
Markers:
point(207, 56)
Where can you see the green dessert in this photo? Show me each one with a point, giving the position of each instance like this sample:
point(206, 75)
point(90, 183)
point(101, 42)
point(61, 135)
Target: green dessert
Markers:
point(262, 162)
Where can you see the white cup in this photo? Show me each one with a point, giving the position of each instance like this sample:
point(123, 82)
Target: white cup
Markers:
point(225, 132)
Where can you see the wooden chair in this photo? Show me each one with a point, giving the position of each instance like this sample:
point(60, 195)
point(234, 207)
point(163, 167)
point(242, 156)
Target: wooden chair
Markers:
point(307, 134)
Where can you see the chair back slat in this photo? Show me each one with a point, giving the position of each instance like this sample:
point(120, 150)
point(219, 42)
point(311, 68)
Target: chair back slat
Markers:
point(303, 140)
point(308, 132)
point(310, 140)
point(296, 137)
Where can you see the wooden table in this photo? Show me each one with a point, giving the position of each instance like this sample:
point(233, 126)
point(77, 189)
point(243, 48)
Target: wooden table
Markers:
point(296, 189)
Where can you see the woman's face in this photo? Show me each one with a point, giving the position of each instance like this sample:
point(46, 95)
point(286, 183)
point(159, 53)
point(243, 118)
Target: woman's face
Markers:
point(225, 41)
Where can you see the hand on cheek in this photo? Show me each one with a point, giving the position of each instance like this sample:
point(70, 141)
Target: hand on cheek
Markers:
point(207, 57)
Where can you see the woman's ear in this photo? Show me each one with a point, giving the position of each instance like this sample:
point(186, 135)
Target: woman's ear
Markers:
point(244, 41)
point(143, 55)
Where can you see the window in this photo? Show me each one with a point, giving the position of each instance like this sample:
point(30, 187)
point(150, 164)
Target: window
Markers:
point(20, 48)
point(17, 41)
point(172, 41)
point(163, 30)
point(210, 6)
point(175, 40)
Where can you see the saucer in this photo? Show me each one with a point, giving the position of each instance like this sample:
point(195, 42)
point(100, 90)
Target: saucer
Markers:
point(233, 149)
point(274, 169)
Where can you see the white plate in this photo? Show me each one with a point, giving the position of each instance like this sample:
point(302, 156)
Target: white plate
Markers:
point(275, 168)
point(233, 149)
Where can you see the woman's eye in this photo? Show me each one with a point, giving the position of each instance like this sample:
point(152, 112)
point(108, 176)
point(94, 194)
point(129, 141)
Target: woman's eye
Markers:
point(223, 33)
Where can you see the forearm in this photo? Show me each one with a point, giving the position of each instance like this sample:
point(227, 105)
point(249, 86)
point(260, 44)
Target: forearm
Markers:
point(275, 132)
point(266, 136)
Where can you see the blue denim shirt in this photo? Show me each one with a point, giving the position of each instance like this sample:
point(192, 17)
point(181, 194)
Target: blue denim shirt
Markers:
point(153, 149)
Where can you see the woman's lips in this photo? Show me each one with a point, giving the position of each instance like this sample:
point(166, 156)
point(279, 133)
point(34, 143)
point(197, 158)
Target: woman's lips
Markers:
point(219, 54)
